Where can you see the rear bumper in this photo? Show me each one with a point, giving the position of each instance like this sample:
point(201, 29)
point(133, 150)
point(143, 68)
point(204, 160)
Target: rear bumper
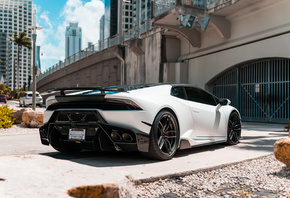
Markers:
point(99, 135)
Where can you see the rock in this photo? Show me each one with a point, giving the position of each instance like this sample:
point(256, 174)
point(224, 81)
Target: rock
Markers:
point(282, 150)
point(32, 119)
point(17, 114)
point(100, 191)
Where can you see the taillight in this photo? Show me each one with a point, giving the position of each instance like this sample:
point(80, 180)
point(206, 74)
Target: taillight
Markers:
point(128, 102)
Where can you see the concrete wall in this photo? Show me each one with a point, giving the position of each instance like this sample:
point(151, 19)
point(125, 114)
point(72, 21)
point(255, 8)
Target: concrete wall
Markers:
point(143, 58)
point(258, 31)
point(99, 69)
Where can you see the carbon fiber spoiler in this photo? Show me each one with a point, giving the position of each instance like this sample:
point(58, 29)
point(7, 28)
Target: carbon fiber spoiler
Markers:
point(64, 98)
point(101, 89)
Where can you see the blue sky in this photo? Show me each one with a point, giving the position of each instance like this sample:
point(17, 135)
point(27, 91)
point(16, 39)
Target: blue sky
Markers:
point(55, 15)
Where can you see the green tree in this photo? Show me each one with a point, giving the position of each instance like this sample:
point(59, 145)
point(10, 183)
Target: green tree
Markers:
point(21, 41)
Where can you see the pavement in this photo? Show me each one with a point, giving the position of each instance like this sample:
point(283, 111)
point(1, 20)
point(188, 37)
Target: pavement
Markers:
point(51, 174)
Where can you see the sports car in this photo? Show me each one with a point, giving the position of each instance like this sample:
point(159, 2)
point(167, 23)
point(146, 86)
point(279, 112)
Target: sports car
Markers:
point(154, 119)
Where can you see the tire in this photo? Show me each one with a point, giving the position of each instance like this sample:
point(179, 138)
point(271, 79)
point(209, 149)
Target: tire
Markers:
point(20, 104)
point(164, 136)
point(234, 129)
point(63, 147)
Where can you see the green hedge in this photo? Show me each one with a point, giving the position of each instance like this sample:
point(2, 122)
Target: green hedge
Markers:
point(6, 119)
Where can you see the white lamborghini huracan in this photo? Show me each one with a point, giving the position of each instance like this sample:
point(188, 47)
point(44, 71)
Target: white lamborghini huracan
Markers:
point(154, 119)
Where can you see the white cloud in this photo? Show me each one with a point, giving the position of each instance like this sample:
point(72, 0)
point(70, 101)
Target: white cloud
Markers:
point(52, 37)
point(87, 15)
point(44, 16)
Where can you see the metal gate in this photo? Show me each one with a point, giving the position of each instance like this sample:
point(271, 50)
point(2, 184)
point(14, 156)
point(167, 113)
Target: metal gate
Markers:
point(260, 90)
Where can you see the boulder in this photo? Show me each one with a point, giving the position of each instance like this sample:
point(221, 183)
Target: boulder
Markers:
point(282, 151)
point(100, 191)
point(32, 119)
point(17, 114)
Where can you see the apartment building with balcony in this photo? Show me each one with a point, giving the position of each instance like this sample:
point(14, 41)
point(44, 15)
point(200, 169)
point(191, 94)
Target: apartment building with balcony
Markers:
point(15, 15)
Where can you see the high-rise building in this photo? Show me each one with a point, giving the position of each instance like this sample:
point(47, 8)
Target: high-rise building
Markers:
point(15, 15)
point(135, 13)
point(111, 18)
point(102, 28)
point(141, 14)
point(3, 55)
point(73, 39)
point(110, 23)
point(127, 22)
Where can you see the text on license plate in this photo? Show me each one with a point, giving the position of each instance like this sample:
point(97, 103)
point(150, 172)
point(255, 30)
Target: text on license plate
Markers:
point(77, 134)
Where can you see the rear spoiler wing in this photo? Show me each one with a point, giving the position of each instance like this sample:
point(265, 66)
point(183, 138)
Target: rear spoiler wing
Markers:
point(64, 98)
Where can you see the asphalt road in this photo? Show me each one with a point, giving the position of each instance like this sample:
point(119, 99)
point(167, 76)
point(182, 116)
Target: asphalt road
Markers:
point(37, 170)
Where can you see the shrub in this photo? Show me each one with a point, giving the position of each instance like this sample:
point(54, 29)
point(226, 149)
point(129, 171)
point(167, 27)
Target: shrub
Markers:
point(6, 119)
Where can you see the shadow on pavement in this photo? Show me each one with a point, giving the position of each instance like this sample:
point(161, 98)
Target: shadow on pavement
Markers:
point(250, 141)
point(114, 159)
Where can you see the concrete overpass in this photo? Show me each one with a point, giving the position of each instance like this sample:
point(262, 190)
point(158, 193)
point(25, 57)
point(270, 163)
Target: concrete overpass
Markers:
point(98, 69)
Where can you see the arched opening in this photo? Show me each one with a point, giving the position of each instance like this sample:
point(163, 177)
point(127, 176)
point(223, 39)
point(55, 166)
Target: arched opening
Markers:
point(260, 89)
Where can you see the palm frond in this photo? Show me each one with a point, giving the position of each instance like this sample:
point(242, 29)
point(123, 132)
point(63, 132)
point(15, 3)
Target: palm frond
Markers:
point(21, 40)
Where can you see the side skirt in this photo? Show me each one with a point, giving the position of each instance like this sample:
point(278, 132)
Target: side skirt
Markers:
point(185, 144)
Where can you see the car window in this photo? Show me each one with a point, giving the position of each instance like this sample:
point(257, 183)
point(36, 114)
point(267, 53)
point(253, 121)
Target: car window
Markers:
point(29, 95)
point(198, 95)
point(2, 95)
point(178, 92)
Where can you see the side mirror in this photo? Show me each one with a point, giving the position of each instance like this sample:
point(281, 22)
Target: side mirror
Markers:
point(224, 102)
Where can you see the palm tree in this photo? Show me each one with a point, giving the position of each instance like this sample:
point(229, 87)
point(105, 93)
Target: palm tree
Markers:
point(20, 40)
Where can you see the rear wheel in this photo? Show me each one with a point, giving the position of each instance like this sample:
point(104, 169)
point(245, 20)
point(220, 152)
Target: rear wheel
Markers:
point(234, 129)
point(164, 136)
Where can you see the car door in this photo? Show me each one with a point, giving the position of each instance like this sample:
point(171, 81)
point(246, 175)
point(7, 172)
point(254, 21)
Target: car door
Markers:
point(205, 117)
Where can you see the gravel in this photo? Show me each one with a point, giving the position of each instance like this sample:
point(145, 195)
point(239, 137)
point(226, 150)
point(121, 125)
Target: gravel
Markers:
point(262, 177)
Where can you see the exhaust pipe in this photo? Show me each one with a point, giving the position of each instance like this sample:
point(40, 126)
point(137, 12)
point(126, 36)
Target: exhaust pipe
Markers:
point(116, 137)
point(127, 137)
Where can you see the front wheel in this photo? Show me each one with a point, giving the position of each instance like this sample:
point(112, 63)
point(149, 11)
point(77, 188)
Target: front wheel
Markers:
point(164, 136)
point(234, 129)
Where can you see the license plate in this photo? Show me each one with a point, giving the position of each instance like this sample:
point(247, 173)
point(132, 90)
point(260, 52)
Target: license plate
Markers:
point(77, 134)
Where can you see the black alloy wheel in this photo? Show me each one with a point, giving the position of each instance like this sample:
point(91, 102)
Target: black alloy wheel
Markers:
point(164, 136)
point(234, 129)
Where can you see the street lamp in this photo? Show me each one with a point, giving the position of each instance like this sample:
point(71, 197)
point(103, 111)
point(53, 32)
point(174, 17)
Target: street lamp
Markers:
point(34, 28)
